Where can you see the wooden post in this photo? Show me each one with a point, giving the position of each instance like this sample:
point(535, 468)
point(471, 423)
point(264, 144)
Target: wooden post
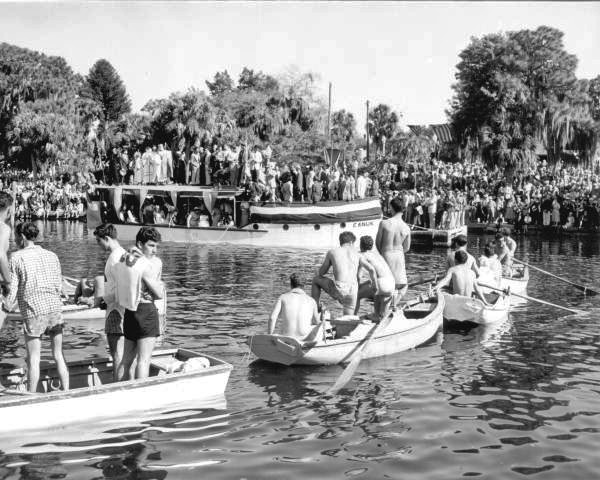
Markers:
point(329, 129)
point(367, 128)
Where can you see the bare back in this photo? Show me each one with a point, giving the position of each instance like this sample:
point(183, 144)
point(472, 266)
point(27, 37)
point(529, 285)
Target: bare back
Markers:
point(393, 240)
point(463, 280)
point(298, 314)
point(379, 264)
point(344, 261)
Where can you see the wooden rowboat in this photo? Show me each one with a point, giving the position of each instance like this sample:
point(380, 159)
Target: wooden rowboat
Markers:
point(71, 312)
point(408, 329)
point(94, 395)
point(470, 309)
point(518, 281)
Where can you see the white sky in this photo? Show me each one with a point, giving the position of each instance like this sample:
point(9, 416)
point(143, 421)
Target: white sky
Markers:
point(402, 54)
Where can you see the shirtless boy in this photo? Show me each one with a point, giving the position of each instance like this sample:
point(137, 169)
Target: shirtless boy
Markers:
point(344, 286)
point(382, 285)
point(462, 278)
point(296, 310)
point(393, 241)
point(460, 243)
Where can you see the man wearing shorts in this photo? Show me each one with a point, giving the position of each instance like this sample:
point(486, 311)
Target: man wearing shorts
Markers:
point(393, 241)
point(6, 202)
point(35, 283)
point(136, 289)
point(382, 285)
point(106, 237)
point(344, 287)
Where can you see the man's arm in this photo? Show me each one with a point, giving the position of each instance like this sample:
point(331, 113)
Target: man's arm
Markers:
point(364, 263)
point(479, 292)
point(406, 242)
point(4, 269)
point(444, 282)
point(14, 284)
point(275, 315)
point(379, 237)
point(324, 268)
point(156, 287)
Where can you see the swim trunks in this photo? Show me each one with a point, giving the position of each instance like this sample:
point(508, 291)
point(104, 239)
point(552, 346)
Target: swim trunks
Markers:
point(49, 324)
point(114, 323)
point(387, 285)
point(141, 323)
point(343, 292)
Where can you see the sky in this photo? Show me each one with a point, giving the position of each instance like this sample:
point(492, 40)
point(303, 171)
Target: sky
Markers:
point(403, 54)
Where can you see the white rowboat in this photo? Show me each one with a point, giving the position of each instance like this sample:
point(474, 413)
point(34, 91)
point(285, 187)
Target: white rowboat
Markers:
point(470, 309)
point(408, 329)
point(517, 282)
point(94, 395)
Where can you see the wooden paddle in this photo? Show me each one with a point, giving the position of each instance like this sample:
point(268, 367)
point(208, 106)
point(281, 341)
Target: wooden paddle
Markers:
point(583, 288)
point(428, 280)
point(526, 297)
point(348, 372)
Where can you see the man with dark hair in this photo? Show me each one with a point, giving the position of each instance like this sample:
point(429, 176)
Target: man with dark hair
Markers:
point(460, 243)
point(6, 202)
point(106, 237)
point(393, 241)
point(136, 289)
point(510, 243)
point(345, 261)
point(382, 285)
point(504, 254)
point(462, 278)
point(36, 283)
point(297, 311)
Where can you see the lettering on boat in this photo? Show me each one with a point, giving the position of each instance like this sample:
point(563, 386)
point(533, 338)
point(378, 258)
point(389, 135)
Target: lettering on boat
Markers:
point(362, 224)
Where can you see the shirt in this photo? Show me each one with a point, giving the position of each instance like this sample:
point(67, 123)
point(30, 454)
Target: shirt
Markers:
point(35, 282)
point(109, 287)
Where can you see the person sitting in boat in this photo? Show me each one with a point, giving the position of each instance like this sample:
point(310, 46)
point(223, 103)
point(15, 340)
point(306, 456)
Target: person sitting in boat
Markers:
point(193, 219)
point(296, 310)
point(382, 285)
point(460, 243)
point(136, 289)
point(345, 261)
point(510, 243)
point(504, 255)
point(490, 268)
point(461, 278)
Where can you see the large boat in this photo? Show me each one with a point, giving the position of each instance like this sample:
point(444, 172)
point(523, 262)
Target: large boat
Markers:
point(276, 224)
point(95, 396)
point(409, 328)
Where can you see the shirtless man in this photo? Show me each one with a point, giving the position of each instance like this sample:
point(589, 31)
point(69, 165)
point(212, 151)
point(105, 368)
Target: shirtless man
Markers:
point(344, 287)
point(382, 285)
point(393, 241)
point(460, 243)
point(504, 254)
point(510, 243)
point(462, 278)
point(297, 311)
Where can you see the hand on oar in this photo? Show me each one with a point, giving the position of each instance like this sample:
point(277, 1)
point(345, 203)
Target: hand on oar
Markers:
point(526, 297)
point(583, 288)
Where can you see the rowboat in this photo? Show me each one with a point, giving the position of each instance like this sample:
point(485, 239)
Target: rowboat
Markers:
point(435, 237)
point(409, 328)
point(71, 312)
point(518, 281)
point(94, 396)
point(470, 309)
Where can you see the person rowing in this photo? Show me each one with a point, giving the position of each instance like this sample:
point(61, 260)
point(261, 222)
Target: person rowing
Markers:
point(504, 255)
point(296, 311)
point(490, 268)
point(382, 285)
point(345, 261)
point(393, 241)
point(459, 243)
point(510, 243)
point(461, 278)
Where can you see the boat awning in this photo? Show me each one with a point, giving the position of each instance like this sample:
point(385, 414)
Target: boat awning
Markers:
point(327, 212)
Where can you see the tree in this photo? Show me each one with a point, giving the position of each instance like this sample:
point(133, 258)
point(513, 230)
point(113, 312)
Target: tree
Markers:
point(250, 80)
point(104, 85)
point(382, 125)
point(221, 83)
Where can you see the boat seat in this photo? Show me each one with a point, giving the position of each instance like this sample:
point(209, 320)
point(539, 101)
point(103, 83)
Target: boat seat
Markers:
point(165, 365)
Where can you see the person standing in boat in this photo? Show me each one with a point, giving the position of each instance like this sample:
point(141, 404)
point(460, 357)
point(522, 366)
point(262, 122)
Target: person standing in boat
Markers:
point(462, 278)
point(382, 285)
point(504, 255)
point(296, 311)
point(510, 243)
point(460, 243)
point(136, 289)
point(345, 261)
point(106, 237)
point(393, 241)
point(36, 284)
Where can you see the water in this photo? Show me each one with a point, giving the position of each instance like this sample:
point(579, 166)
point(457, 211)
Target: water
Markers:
point(519, 400)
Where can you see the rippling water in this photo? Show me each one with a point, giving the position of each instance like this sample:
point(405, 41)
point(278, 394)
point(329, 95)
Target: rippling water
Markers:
point(522, 399)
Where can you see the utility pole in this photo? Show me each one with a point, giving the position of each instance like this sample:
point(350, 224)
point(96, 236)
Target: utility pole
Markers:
point(329, 129)
point(367, 129)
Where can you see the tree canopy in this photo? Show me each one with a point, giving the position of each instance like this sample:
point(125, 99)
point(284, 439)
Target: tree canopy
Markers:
point(104, 86)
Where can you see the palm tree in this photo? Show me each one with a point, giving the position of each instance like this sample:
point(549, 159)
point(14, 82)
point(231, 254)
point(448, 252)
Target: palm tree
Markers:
point(382, 124)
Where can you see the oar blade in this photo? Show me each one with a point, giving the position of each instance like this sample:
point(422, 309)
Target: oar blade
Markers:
point(347, 374)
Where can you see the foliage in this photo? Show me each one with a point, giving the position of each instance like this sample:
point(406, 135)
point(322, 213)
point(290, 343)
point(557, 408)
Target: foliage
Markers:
point(516, 91)
point(221, 83)
point(382, 125)
point(258, 81)
point(104, 85)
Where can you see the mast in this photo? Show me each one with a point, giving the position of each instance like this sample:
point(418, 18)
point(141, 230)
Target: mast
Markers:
point(367, 129)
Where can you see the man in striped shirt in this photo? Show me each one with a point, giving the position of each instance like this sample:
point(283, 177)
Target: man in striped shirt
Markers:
point(35, 283)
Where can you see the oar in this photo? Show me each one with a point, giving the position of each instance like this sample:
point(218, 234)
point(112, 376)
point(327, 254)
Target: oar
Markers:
point(586, 290)
point(421, 228)
point(526, 297)
point(348, 372)
point(428, 280)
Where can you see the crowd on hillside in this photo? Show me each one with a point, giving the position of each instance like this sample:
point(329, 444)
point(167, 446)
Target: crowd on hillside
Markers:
point(61, 197)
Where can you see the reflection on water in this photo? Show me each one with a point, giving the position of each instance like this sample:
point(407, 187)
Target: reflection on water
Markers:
point(516, 399)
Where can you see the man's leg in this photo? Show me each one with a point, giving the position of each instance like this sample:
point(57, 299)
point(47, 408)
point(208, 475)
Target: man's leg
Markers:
point(145, 348)
point(56, 339)
point(365, 290)
point(382, 305)
point(33, 346)
point(400, 292)
point(129, 354)
point(319, 282)
point(116, 345)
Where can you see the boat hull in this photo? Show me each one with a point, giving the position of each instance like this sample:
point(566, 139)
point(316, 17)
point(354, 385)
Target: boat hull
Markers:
point(58, 408)
point(465, 309)
point(71, 313)
point(516, 284)
point(437, 238)
point(401, 334)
